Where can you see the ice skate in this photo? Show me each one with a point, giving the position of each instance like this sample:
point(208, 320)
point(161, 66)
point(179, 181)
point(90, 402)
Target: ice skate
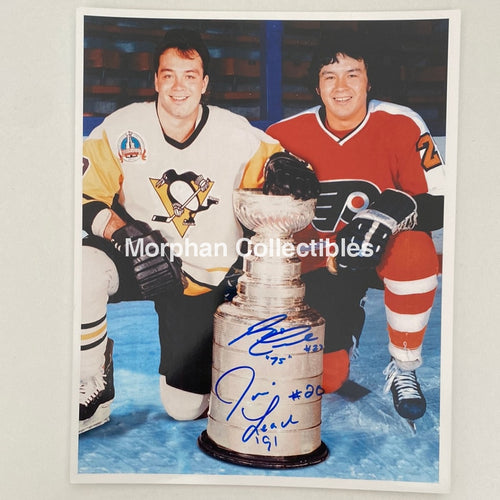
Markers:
point(97, 394)
point(407, 395)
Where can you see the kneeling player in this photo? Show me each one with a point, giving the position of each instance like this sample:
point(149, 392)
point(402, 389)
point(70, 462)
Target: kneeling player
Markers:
point(382, 183)
point(111, 273)
point(156, 174)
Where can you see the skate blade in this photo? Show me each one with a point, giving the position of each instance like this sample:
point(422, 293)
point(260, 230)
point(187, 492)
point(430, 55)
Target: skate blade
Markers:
point(100, 417)
point(412, 425)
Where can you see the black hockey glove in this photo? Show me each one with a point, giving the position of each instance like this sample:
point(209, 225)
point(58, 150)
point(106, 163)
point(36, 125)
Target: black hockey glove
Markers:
point(363, 241)
point(157, 271)
point(285, 174)
point(230, 283)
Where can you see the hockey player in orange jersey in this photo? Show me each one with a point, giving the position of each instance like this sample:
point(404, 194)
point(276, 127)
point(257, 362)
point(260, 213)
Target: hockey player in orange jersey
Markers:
point(382, 182)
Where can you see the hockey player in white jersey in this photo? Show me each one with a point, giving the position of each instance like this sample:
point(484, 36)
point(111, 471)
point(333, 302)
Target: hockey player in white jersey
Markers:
point(159, 175)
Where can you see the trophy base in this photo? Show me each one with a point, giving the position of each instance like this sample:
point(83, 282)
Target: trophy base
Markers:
point(211, 448)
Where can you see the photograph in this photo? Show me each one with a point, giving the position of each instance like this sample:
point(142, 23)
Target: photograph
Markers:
point(264, 248)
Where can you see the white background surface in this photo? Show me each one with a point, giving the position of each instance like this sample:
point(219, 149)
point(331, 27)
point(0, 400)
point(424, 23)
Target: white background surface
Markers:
point(37, 136)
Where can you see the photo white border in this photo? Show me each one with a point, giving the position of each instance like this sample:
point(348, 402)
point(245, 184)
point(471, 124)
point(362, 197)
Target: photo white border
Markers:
point(443, 485)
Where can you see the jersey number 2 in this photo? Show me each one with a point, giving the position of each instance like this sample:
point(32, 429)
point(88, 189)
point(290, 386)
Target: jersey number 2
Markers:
point(430, 155)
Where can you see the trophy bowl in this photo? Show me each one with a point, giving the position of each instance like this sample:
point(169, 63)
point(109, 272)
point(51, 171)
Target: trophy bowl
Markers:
point(279, 215)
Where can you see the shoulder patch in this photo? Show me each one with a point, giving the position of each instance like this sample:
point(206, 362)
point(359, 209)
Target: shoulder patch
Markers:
point(131, 147)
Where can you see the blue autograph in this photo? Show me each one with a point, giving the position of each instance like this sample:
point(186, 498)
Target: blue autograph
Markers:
point(276, 337)
point(256, 423)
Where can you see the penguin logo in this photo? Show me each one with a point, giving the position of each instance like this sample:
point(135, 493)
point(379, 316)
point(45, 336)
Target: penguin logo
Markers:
point(183, 196)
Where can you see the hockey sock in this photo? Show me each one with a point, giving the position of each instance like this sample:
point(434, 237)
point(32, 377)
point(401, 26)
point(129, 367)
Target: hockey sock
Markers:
point(409, 271)
point(99, 281)
point(93, 346)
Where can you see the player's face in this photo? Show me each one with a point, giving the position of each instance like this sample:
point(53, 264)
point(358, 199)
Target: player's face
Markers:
point(343, 88)
point(180, 84)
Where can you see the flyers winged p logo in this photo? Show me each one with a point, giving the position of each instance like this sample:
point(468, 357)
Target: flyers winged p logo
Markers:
point(183, 196)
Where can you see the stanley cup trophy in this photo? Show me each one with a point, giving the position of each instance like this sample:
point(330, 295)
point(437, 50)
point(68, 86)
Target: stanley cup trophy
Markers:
point(265, 403)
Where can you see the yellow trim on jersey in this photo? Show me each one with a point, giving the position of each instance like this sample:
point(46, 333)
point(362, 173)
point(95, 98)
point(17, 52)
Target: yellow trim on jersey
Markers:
point(218, 269)
point(195, 289)
point(253, 175)
point(104, 175)
point(93, 335)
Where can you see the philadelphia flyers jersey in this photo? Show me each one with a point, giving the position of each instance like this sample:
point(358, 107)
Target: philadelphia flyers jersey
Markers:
point(184, 190)
point(390, 148)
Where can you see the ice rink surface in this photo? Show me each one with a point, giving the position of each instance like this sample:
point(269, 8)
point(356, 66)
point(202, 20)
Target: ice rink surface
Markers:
point(367, 440)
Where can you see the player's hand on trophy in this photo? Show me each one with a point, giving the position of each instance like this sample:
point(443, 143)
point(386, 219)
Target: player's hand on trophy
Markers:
point(286, 174)
point(156, 269)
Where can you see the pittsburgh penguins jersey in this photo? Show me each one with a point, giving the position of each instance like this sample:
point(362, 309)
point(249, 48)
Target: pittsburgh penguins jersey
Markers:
point(184, 190)
point(390, 148)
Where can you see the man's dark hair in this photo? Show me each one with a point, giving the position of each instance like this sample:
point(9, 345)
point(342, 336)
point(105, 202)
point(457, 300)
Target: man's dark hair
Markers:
point(186, 42)
point(331, 44)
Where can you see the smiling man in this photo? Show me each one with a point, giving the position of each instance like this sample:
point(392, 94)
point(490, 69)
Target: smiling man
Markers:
point(155, 176)
point(382, 184)
point(180, 82)
point(343, 88)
